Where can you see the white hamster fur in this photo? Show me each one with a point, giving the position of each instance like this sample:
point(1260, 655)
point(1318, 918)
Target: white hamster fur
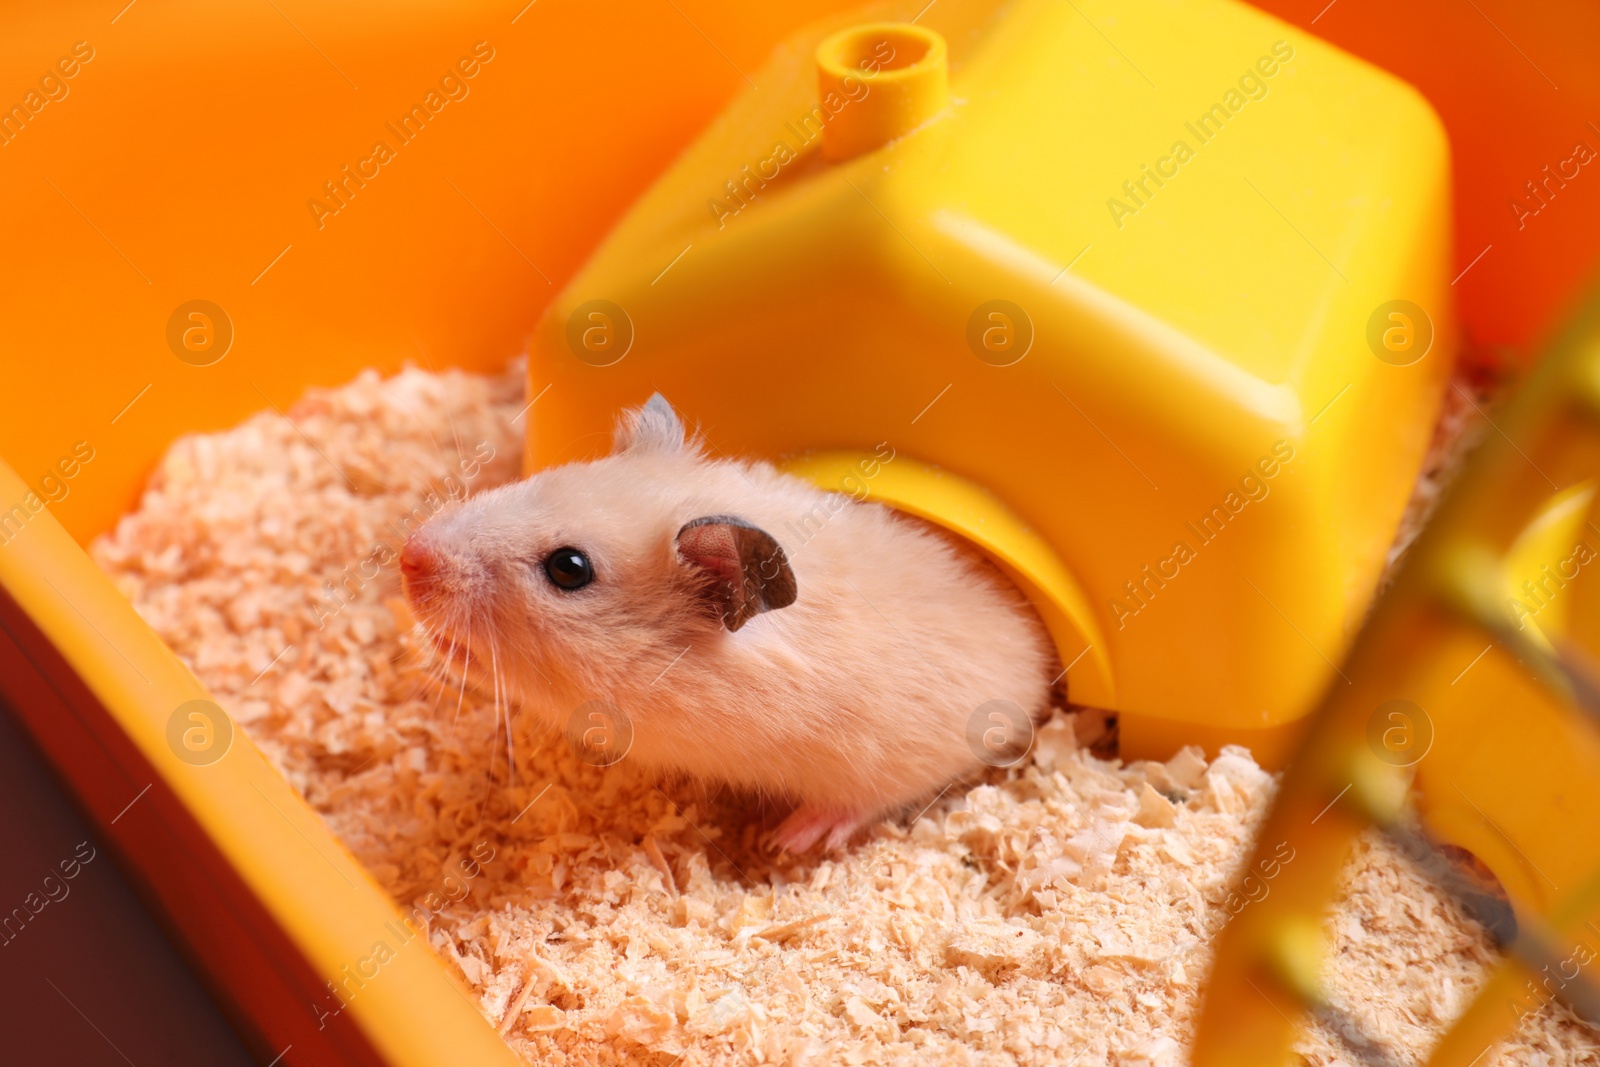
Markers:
point(841, 674)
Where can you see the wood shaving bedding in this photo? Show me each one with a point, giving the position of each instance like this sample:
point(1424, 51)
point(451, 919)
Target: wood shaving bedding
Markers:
point(1061, 912)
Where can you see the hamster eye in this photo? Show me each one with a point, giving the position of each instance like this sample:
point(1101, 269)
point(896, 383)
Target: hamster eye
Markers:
point(569, 569)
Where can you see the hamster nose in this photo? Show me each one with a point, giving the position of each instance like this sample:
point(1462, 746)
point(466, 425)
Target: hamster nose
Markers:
point(417, 560)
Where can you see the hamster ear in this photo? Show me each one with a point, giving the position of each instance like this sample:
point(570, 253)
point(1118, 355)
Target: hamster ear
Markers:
point(746, 569)
point(655, 427)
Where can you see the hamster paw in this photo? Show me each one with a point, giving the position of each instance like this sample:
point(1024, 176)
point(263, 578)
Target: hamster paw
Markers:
point(810, 823)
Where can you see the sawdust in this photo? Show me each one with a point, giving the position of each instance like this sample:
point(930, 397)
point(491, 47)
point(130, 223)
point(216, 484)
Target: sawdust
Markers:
point(1059, 912)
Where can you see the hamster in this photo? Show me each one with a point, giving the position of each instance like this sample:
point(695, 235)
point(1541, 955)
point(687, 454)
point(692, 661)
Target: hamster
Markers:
point(751, 628)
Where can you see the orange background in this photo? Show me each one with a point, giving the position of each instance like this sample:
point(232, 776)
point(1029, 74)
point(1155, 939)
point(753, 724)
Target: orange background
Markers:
point(189, 147)
point(181, 163)
point(1517, 84)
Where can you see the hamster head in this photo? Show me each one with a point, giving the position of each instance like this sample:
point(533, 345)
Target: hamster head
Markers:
point(561, 587)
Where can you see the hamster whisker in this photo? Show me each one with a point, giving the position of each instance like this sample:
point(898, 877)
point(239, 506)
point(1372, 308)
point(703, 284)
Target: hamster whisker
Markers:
point(441, 657)
point(444, 677)
point(511, 770)
point(528, 662)
point(422, 661)
point(505, 689)
point(428, 659)
point(494, 736)
point(463, 679)
point(449, 654)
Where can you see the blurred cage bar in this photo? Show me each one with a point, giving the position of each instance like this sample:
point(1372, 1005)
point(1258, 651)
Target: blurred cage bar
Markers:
point(1466, 717)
